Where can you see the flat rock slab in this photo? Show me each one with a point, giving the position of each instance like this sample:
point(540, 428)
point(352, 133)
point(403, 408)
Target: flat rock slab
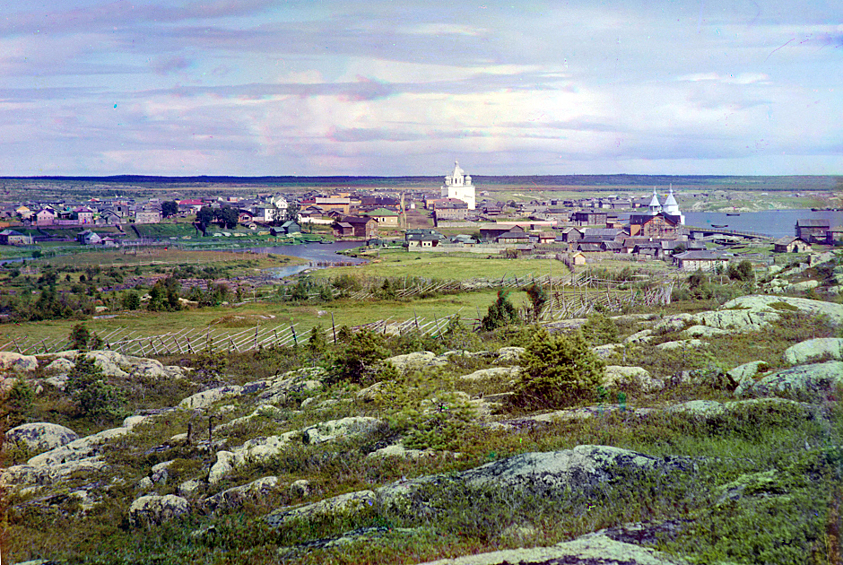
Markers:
point(581, 467)
point(595, 549)
point(543, 474)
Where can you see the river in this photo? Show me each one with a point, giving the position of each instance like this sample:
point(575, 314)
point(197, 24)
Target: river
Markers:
point(775, 223)
point(313, 253)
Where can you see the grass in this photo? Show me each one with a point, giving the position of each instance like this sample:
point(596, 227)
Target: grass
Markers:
point(458, 519)
point(448, 266)
point(790, 459)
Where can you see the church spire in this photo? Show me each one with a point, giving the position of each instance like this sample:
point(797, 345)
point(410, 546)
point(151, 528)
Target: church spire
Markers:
point(655, 207)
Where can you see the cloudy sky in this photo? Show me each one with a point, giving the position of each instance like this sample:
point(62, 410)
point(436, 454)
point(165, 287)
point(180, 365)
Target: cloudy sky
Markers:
point(378, 87)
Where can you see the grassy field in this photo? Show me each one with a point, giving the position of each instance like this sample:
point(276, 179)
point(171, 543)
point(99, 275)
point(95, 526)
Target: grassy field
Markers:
point(447, 266)
point(269, 314)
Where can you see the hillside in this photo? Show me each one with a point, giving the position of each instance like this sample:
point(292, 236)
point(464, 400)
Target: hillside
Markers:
point(712, 437)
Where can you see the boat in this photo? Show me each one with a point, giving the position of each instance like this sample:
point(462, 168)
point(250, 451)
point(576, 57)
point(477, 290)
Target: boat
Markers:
point(720, 225)
point(733, 214)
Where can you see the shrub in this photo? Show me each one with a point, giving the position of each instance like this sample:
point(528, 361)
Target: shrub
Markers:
point(557, 371)
point(87, 385)
point(501, 313)
point(365, 348)
point(538, 298)
point(600, 329)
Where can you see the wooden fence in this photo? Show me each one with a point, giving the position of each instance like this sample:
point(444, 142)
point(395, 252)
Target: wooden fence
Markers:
point(569, 297)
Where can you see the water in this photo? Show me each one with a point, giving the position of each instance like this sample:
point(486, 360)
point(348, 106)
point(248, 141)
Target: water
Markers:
point(314, 253)
point(775, 223)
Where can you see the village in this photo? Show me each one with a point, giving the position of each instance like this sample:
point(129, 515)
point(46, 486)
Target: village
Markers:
point(456, 217)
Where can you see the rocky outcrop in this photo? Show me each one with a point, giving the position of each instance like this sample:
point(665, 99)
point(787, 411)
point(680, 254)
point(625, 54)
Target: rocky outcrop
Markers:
point(16, 363)
point(492, 374)
point(209, 397)
point(81, 448)
point(152, 510)
point(264, 448)
point(681, 344)
point(540, 474)
point(804, 382)
point(41, 436)
point(553, 472)
point(747, 371)
point(826, 348)
point(776, 304)
point(509, 355)
point(631, 379)
point(596, 549)
point(114, 364)
point(278, 390)
point(344, 503)
point(21, 477)
point(417, 360)
point(237, 496)
point(706, 410)
point(333, 429)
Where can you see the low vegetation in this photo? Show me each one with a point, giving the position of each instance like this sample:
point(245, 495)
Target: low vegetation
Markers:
point(755, 482)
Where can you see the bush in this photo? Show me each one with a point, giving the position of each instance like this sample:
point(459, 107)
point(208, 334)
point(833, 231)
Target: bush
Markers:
point(501, 313)
point(557, 371)
point(600, 329)
point(365, 348)
point(87, 385)
point(538, 298)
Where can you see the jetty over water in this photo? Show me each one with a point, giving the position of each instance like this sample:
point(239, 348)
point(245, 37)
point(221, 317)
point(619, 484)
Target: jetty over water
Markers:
point(707, 231)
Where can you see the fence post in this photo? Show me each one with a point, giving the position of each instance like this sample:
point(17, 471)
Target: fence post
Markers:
point(334, 326)
point(295, 339)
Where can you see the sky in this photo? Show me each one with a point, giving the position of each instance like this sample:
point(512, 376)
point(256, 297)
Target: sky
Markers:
point(393, 88)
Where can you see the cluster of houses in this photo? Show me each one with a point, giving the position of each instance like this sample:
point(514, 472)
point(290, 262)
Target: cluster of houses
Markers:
point(809, 231)
point(577, 227)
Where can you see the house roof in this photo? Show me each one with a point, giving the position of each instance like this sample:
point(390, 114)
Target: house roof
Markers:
point(589, 247)
point(382, 212)
point(641, 219)
point(696, 255)
point(357, 220)
point(813, 223)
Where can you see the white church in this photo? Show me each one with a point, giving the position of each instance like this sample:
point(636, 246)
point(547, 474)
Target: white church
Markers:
point(670, 208)
point(458, 185)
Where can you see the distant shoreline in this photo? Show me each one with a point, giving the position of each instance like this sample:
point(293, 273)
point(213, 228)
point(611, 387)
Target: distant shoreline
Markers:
point(763, 182)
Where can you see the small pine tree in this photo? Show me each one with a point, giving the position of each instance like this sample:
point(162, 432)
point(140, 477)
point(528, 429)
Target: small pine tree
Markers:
point(501, 313)
point(557, 371)
point(538, 298)
point(316, 344)
point(131, 300)
point(358, 361)
point(79, 337)
point(87, 385)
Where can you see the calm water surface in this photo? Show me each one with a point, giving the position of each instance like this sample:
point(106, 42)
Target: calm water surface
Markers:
point(314, 253)
point(775, 223)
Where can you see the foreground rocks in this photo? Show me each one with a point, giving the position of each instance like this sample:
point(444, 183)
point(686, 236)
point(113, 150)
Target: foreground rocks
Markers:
point(804, 382)
point(41, 436)
point(153, 510)
point(548, 474)
point(597, 549)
